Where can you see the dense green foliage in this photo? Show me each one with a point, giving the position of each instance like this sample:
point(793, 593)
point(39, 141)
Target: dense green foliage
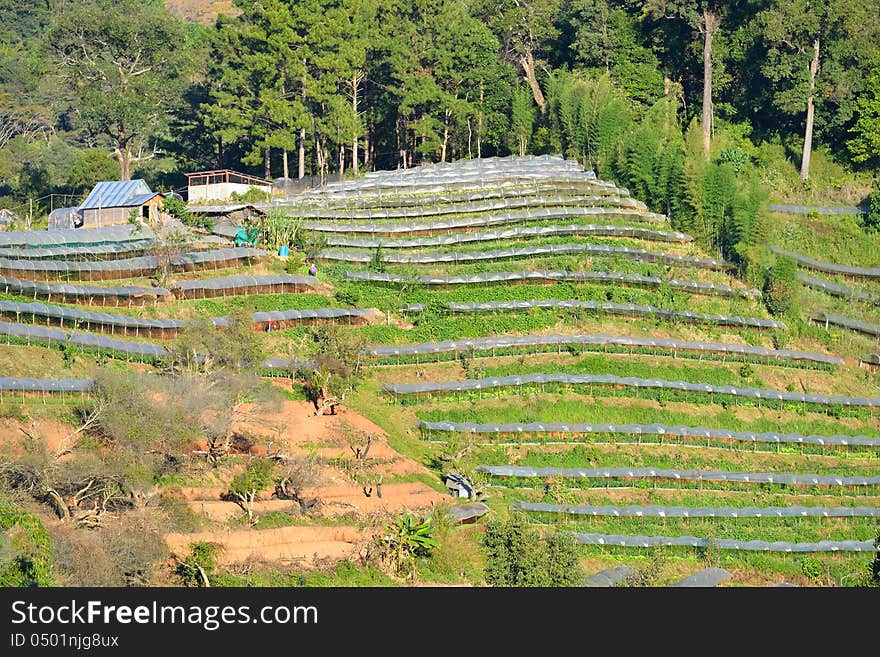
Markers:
point(116, 87)
point(26, 548)
point(516, 555)
point(780, 289)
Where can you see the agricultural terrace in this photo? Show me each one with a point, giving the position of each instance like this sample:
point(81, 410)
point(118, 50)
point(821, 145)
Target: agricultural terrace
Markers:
point(520, 321)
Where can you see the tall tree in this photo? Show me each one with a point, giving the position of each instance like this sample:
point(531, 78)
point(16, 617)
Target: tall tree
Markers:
point(524, 28)
point(865, 145)
point(125, 62)
point(704, 16)
point(607, 39)
point(522, 118)
point(817, 53)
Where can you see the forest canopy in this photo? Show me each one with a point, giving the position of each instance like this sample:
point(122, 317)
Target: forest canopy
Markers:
point(652, 93)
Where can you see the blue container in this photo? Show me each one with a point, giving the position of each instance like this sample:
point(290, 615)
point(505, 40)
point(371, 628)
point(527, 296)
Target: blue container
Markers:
point(283, 250)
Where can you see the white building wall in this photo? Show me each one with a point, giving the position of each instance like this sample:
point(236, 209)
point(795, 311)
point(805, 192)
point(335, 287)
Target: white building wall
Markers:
point(220, 191)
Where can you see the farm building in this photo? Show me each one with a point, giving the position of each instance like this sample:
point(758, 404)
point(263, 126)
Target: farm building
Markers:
point(111, 202)
point(459, 485)
point(7, 217)
point(220, 185)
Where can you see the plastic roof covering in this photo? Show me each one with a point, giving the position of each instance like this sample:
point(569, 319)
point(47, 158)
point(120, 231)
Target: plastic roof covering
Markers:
point(650, 429)
point(549, 189)
point(684, 475)
point(319, 313)
point(507, 216)
point(626, 381)
point(46, 385)
point(444, 183)
point(74, 251)
point(610, 577)
point(74, 236)
point(230, 282)
point(43, 334)
point(810, 263)
point(397, 195)
point(543, 250)
point(88, 316)
point(837, 290)
point(724, 543)
point(130, 264)
point(694, 287)
point(847, 322)
point(513, 233)
point(115, 193)
point(507, 341)
point(475, 221)
point(653, 511)
point(462, 512)
point(705, 577)
point(18, 286)
point(625, 309)
point(463, 170)
point(126, 321)
point(91, 340)
point(427, 209)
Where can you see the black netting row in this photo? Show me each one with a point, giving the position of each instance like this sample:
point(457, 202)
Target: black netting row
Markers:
point(837, 290)
point(267, 284)
point(28, 333)
point(830, 267)
point(807, 209)
point(159, 327)
point(622, 540)
point(527, 428)
point(573, 230)
point(519, 380)
point(639, 280)
point(598, 250)
point(654, 511)
point(846, 322)
point(609, 307)
point(787, 478)
point(24, 333)
point(46, 385)
point(513, 341)
point(128, 267)
point(75, 293)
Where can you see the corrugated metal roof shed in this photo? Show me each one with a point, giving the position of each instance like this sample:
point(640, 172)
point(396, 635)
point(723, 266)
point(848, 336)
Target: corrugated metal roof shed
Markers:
point(115, 194)
point(140, 199)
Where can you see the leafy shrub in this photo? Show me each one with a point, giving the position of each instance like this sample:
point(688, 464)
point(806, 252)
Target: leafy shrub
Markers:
point(871, 219)
point(780, 286)
point(517, 556)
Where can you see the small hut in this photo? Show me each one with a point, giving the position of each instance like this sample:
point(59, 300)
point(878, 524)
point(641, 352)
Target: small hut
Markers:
point(110, 203)
point(7, 217)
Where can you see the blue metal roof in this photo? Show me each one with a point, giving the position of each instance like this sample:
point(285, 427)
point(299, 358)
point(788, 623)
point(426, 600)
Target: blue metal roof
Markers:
point(115, 194)
point(140, 199)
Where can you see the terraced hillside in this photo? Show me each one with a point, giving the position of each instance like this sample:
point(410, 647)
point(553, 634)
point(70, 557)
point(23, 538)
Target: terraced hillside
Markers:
point(526, 324)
